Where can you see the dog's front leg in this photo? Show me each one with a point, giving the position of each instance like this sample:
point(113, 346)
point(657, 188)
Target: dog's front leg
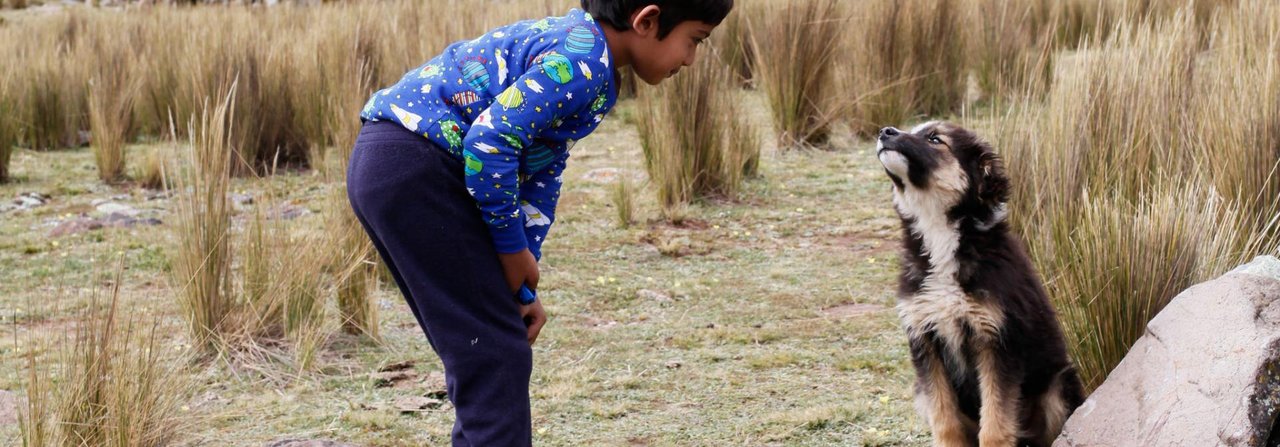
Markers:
point(997, 419)
point(935, 397)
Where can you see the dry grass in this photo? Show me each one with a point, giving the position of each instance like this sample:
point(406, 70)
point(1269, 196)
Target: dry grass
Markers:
point(116, 386)
point(908, 59)
point(1131, 175)
point(692, 148)
point(624, 201)
point(797, 51)
point(112, 90)
point(1138, 133)
point(202, 258)
point(8, 128)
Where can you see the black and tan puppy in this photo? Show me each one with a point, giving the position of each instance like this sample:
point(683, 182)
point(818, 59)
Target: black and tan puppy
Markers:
point(991, 364)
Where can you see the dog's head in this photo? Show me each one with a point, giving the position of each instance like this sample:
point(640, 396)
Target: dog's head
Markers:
point(939, 164)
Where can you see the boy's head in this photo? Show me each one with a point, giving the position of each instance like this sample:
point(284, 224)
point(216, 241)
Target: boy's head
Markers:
point(664, 34)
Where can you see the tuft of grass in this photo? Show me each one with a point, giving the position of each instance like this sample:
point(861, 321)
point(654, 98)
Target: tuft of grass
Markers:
point(692, 149)
point(624, 203)
point(152, 173)
point(118, 387)
point(8, 129)
point(111, 95)
point(909, 60)
point(202, 225)
point(795, 43)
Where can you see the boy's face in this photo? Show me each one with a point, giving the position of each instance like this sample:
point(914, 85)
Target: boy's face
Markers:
point(658, 59)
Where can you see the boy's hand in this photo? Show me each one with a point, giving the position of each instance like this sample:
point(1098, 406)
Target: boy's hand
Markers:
point(521, 268)
point(534, 318)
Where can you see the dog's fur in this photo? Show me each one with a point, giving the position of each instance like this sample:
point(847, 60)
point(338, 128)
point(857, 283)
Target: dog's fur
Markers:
point(991, 364)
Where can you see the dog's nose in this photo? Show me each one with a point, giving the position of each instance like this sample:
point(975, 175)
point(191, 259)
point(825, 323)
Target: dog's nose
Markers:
point(888, 133)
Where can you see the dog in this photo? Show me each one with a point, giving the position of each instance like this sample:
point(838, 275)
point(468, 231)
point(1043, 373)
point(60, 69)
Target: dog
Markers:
point(991, 363)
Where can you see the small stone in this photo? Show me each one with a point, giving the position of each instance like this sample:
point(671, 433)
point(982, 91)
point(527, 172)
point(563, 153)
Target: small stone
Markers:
point(308, 443)
point(412, 404)
point(110, 208)
point(652, 295)
point(602, 175)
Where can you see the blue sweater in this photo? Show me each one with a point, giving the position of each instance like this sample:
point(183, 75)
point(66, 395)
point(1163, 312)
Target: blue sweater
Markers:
point(510, 105)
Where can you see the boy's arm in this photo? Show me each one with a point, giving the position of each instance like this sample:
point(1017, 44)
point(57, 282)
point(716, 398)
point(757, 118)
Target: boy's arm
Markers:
point(538, 197)
point(546, 93)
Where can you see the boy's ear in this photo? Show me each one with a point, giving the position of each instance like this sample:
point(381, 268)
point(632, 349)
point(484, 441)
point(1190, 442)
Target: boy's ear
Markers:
point(645, 21)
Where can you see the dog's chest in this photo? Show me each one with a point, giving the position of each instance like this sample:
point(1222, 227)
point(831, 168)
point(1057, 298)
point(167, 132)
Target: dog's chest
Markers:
point(941, 306)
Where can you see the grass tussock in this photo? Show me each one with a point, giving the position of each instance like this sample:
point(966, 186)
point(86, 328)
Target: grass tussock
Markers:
point(1130, 176)
point(907, 60)
point(624, 203)
point(795, 44)
point(8, 128)
point(202, 259)
point(115, 386)
point(111, 94)
point(693, 148)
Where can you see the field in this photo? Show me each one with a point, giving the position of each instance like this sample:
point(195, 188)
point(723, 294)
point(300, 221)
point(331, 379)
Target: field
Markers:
point(759, 313)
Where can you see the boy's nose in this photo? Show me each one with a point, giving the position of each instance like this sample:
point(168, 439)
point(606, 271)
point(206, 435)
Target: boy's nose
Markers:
point(888, 132)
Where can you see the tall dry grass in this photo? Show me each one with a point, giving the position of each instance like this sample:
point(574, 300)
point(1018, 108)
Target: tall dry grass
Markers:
point(8, 127)
point(116, 386)
point(202, 258)
point(1139, 172)
point(112, 90)
point(692, 147)
point(907, 58)
point(796, 46)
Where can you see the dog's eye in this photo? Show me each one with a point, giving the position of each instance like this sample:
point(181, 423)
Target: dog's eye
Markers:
point(933, 138)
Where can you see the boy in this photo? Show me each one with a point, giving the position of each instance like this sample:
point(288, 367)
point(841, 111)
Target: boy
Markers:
point(488, 124)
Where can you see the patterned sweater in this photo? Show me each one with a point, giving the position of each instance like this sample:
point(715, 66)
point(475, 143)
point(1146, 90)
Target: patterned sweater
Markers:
point(510, 105)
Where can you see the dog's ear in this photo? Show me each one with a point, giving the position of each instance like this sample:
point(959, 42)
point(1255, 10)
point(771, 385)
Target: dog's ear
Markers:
point(993, 189)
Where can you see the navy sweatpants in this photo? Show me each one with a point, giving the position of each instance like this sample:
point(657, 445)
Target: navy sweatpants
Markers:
point(411, 198)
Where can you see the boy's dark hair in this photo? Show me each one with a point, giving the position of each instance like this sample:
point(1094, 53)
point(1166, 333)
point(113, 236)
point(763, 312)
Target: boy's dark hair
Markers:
point(617, 13)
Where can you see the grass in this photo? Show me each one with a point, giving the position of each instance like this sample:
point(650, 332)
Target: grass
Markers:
point(111, 96)
point(202, 258)
point(8, 128)
point(798, 40)
point(115, 385)
point(1134, 132)
point(1126, 161)
point(606, 368)
point(691, 149)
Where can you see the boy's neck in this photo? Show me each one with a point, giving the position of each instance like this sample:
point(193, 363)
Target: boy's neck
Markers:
point(618, 46)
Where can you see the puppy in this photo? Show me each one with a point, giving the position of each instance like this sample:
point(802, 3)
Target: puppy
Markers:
point(991, 364)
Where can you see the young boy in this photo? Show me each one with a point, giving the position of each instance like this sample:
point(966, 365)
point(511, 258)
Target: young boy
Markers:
point(457, 170)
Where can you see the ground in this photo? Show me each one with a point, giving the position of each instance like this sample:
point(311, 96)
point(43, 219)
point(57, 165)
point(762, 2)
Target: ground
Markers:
point(762, 321)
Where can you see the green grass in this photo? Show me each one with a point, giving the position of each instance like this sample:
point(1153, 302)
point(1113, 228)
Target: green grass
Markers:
point(733, 348)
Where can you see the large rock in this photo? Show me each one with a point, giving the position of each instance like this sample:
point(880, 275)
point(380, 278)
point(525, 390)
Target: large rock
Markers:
point(1206, 373)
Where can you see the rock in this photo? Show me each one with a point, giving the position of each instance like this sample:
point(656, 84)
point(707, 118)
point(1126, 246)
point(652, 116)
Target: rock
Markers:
point(241, 200)
point(8, 408)
point(652, 295)
point(308, 443)
point(75, 226)
point(111, 208)
point(411, 404)
point(383, 379)
point(30, 200)
point(291, 212)
point(601, 175)
point(1207, 372)
point(114, 220)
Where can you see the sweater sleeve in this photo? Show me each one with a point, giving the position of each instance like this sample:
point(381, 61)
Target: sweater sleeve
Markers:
point(538, 198)
point(554, 87)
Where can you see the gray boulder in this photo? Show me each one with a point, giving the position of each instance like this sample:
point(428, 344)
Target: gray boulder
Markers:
point(1206, 373)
